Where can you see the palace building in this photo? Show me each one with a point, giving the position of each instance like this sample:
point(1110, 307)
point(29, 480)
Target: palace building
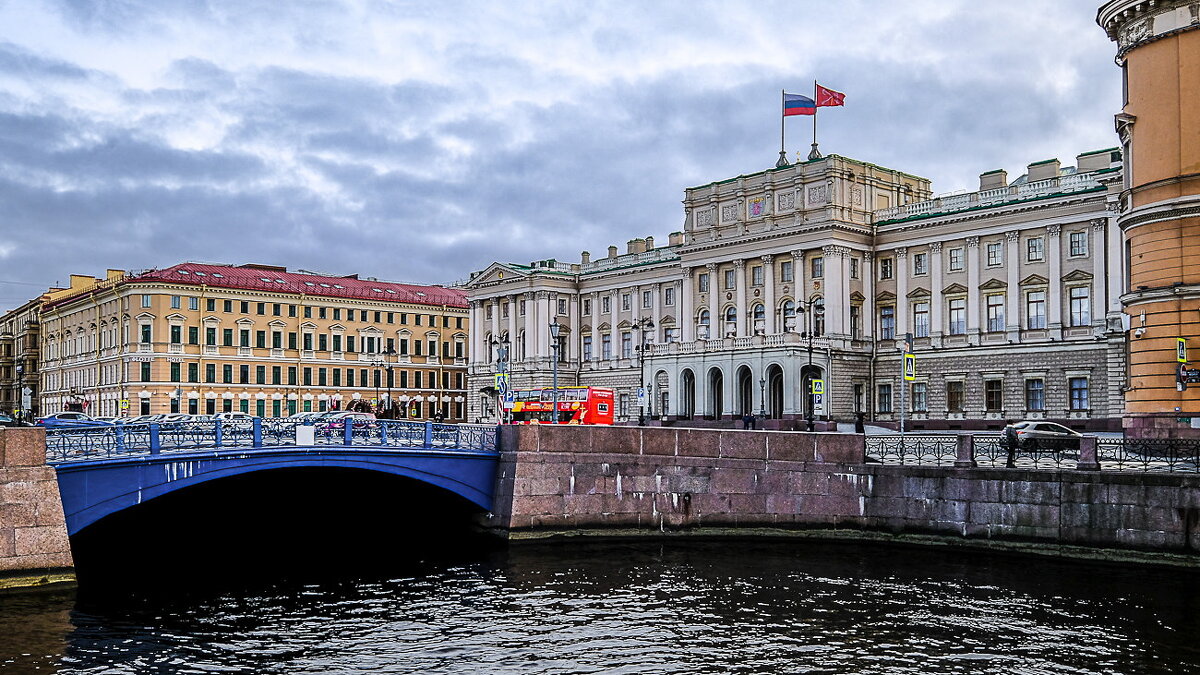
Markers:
point(819, 271)
point(205, 338)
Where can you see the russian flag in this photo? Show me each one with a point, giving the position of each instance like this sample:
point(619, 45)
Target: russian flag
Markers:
point(795, 104)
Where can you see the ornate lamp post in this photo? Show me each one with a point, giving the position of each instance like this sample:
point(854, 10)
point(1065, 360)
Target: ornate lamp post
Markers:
point(762, 397)
point(502, 346)
point(643, 328)
point(555, 329)
point(808, 322)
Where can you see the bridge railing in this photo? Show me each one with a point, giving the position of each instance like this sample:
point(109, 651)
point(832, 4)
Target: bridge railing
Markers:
point(66, 444)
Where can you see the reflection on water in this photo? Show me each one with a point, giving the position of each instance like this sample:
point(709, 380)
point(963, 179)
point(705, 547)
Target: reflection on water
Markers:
point(674, 607)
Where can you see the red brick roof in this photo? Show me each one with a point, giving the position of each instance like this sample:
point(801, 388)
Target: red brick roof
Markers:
point(269, 278)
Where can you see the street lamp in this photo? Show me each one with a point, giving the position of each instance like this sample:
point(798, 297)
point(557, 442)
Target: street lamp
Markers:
point(502, 345)
point(378, 365)
point(644, 328)
point(762, 397)
point(555, 329)
point(808, 322)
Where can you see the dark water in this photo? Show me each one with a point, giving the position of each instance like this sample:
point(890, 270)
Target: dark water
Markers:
point(611, 607)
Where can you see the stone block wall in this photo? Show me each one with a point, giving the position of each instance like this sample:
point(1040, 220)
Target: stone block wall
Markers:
point(33, 530)
point(649, 478)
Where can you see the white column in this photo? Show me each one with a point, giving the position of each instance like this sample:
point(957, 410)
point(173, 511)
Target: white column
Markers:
point(833, 289)
point(1100, 284)
point(1054, 299)
point(478, 353)
point(656, 311)
point(935, 292)
point(512, 324)
point(769, 294)
point(1108, 237)
point(614, 305)
point(687, 308)
point(1013, 310)
point(495, 320)
point(574, 343)
point(596, 321)
point(868, 310)
point(843, 255)
point(902, 271)
point(739, 278)
point(973, 289)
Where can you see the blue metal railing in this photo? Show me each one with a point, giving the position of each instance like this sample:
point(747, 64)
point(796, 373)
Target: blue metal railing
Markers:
point(65, 444)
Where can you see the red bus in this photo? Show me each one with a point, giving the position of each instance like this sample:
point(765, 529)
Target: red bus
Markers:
point(576, 405)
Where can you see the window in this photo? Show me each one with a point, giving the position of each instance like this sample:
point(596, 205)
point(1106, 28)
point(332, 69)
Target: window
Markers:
point(885, 268)
point(670, 335)
point(276, 340)
point(993, 395)
point(956, 259)
point(587, 348)
point(276, 375)
point(245, 307)
point(585, 305)
point(995, 313)
point(730, 279)
point(954, 396)
point(146, 334)
point(227, 306)
point(176, 334)
point(785, 271)
point(702, 281)
point(1079, 243)
point(995, 254)
point(756, 275)
point(647, 299)
point(887, 323)
point(322, 377)
point(626, 345)
point(175, 372)
point(884, 404)
point(145, 371)
point(788, 313)
point(194, 304)
point(1079, 393)
point(277, 309)
point(920, 263)
point(322, 342)
point(1081, 312)
point(731, 321)
point(818, 268)
point(605, 305)
point(702, 325)
point(260, 374)
point(210, 336)
point(487, 311)
point(193, 335)
point(227, 373)
point(854, 268)
point(669, 296)
point(855, 321)
point(625, 302)
point(818, 319)
point(1035, 395)
point(1034, 249)
point(1035, 309)
point(193, 372)
point(260, 339)
point(606, 346)
point(562, 306)
point(145, 301)
point(174, 302)
point(958, 316)
point(920, 397)
point(921, 319)
point(760, 317)
point(261, 309)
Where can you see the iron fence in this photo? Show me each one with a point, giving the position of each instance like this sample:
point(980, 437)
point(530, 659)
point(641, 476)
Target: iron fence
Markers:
point(65, 444)
point(913, 449)
point(1159, 454)
point(988, 450)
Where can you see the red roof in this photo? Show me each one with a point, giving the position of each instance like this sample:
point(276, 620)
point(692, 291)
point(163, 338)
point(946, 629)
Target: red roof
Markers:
point(276, 279)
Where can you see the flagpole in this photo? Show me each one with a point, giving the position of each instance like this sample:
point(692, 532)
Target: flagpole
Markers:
point(814, 153)
point(782, 161)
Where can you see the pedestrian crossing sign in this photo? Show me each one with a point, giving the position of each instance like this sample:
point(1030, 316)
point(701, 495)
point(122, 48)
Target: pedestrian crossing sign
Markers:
point(910, 367)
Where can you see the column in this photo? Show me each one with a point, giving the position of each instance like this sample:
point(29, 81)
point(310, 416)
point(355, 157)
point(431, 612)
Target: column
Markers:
point(843, 255)
point(973, 289)
point(936, 327)
point(739, 278)
point(1013, 307)
point(532, 341)
point(1100, 288)
point(635, 305)
point(1108, 238)
point(1054, 295)
point(715, 329)
point(495, 321)
point(687, 308)
point(769, 294)
point(656, 311)
point(901, 270)
point(834, 302)
point(547, 313)
point(575, 341)
point(478, 355)
point(868, 310)
point(614, 306)
point(596, 321)
point(512, 325)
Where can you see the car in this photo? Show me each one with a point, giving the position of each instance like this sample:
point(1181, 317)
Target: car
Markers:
point(69, 419)
point(337, 420)
point(7, 420)
point(234, 416)
point(1039, 435)
point(109, 419)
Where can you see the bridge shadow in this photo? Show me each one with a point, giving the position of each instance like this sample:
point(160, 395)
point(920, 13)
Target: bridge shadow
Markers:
point(292, 523)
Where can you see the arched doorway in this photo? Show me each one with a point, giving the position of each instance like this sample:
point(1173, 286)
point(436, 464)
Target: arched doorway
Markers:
point(745, 391)
point(687, 395)
point(716, 393)
point(775, 392)
point(661, 393)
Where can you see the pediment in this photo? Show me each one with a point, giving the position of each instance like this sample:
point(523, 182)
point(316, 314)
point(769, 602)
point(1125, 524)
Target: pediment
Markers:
point(144, 316)
point(277, 324)
point(993, 285)
point(308, 325)
point(667, 321)
point(624, 324)
point(176, 317)
point(954, 289)
point(1078, 275)
point(497, 273)
point(918, 293)
point(604, 326)
point(245, 322)
point(337, 326)
point(211, 319)
point(857, 297)
point(885, 296)
point(1035, 280)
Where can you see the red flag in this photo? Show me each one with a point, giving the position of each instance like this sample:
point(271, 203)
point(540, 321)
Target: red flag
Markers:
point(829, 97)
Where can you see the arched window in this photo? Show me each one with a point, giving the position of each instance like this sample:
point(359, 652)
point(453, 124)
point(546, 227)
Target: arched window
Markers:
point(702, 325)
point(730, 322)
point(819, 317)
point(760, 318)
point(789, 316)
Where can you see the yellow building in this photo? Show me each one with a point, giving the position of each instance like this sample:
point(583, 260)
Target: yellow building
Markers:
point(206, 338)
point(19, 331)
point(1158, 50)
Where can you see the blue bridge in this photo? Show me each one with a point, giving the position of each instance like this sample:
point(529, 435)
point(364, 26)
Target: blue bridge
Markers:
point(103, 470)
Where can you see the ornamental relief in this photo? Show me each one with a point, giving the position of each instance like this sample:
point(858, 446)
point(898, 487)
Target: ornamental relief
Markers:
point(816, 194)
point(756, 207)
point(856, 195)
point(787, 201)
point(729, 213)
point(704, 218)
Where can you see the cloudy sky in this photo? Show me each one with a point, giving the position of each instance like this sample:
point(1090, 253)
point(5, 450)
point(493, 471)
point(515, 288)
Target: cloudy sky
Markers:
point(416, 141)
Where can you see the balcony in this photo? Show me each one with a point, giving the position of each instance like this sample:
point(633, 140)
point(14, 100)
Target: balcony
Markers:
point(338, 356)
point(276, 353)
point(245, 351)
point(145, 348)
point(211, 350)
point(308, 354)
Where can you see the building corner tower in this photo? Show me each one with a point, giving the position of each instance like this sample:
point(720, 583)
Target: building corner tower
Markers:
point(1158, 51)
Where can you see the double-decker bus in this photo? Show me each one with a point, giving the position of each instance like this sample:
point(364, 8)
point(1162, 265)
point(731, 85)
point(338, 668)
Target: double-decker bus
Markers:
point(576, 405)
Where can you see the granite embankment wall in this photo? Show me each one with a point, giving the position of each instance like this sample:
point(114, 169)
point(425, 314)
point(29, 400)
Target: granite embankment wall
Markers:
point(34, 548)
point(653, 479)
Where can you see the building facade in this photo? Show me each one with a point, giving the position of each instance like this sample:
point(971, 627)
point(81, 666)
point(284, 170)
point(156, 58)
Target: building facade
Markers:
point(204, 338)
point(19, 345)
point(819, 271)
point(1158, 51)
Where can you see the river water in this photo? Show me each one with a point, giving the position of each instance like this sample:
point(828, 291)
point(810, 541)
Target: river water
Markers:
point(673, 606)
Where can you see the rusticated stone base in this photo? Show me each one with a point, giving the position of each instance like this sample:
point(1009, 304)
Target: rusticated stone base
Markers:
point(33, 531)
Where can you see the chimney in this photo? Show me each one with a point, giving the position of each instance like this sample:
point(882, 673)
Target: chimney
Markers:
point(635, 246)
point(675, 239)
point(585, 257)
point(612, 251)
point(993, 179)
point(1094, 161)
point(1047, 168)
point(649, 243)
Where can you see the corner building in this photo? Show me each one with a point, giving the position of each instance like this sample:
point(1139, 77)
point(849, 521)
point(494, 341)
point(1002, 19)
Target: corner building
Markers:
point(1158, 51)
point(19, 346)
point(818, 271)
point(205, 338)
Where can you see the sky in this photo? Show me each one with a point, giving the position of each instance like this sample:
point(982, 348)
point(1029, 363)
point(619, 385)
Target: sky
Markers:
point(418, 141)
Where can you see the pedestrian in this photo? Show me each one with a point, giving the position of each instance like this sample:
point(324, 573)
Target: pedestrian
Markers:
point(1010, 444)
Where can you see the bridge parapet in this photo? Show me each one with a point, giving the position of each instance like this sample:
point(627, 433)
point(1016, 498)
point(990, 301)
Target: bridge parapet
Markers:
point(67, 444)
